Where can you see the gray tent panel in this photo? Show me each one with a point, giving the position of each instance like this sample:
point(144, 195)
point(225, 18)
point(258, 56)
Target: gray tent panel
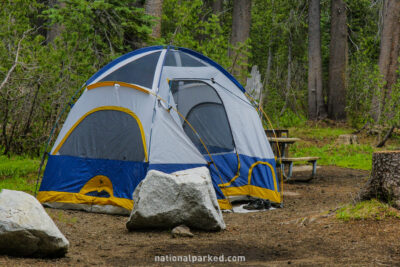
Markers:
point(211, 123)
point(188, 94)
point(202, 107)
point(106, 134)
point(140, 71)
point(181, 59)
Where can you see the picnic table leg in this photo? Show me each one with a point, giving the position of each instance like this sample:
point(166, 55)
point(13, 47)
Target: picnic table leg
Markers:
point(290, 170)
point(314, 168)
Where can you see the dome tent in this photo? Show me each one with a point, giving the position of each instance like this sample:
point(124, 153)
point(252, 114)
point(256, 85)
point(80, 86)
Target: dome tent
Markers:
point(161, 108)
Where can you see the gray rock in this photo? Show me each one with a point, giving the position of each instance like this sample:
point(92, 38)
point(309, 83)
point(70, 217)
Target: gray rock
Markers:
point(166, 200)
point(181, 231)
point(26, 229)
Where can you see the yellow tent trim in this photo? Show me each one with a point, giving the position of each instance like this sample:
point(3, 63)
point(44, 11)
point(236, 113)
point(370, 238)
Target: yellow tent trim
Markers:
point(272, 171)
point(125, 110)
point(253, 191)
point(224, 204)
point(98, 183)
point(112, 83)
point(78, 198)
point(235, 177)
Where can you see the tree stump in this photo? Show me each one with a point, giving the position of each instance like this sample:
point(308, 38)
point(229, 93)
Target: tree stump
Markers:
point(384, 183)
point(347, 139)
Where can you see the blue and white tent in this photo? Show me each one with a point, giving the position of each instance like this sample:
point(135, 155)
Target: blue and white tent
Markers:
point(161, 108)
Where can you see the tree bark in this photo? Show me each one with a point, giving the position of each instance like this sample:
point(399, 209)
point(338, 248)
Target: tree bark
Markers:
point(316, 105)
point(55, 29)
point(388, 57)
point(384, 183)
point(241, 19)
point(337, 61)
point(154, 8)
point(217, 7)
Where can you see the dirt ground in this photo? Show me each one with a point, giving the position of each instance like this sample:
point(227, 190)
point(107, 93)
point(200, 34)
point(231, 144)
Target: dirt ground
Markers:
point(301, 233)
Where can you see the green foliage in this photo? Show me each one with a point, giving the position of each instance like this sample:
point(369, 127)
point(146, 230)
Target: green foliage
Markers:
point(367, 210)
point(88, 34)
point(18, 173)
point(363, 22)
point(364, 81)
point(289, 119)
point(101, 29)
point(287, 26)
point(191, 24)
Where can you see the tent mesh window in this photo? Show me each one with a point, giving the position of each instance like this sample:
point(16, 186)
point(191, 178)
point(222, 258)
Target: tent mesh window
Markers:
point(140, 71)
point(106, 134)
point(201, 106)
point(180, 59)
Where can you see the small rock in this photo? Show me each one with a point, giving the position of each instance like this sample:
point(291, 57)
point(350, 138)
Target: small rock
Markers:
point(181, 231)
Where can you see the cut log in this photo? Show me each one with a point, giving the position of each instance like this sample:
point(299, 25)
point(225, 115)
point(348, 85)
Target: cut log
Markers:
point(384, 183)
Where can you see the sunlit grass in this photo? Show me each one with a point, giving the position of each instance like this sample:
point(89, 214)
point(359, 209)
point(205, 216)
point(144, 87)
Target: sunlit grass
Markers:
point(371, 209)
point(18, 173)
point(348, 156)
point(322, 142)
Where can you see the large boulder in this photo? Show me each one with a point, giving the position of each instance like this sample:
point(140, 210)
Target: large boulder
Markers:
point(166, 200)
point(26, 229)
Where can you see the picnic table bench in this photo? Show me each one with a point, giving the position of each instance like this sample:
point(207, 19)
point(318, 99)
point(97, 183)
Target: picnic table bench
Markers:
point(289, 161)
point(280, 146)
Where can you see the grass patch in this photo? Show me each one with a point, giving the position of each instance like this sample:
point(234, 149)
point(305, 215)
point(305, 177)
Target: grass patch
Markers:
point(319, 133)
point(317, 141)
point(18, 173)
point(367, 210)
point(347, 156)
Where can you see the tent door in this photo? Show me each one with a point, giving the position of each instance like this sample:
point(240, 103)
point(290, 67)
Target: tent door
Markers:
point(203, 110)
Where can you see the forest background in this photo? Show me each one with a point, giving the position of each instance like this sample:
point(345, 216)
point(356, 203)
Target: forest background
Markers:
point(334, 61)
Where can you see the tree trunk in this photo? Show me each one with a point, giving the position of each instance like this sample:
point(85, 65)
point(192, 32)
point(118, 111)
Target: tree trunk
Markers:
point(337, 61)
point(217, 7)
point(241, 19)
point(384, 183)
point(316, 105)
point(388, 57)
point(55, 29)
point(154, 8)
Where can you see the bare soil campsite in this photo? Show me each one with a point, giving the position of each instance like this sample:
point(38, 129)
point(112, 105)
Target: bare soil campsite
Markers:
point(306, 231)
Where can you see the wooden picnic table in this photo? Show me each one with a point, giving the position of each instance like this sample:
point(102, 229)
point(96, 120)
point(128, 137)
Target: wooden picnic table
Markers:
point(282, 159)
point(282, 143)
point(284, 140)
